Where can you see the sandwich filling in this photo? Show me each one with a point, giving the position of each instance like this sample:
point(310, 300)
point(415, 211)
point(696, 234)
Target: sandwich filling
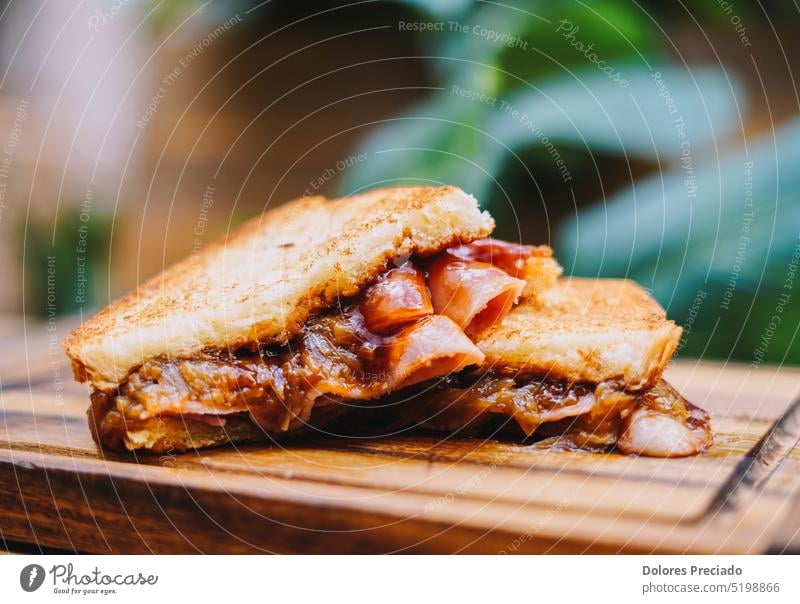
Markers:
point(658, 422)
point(409, 332)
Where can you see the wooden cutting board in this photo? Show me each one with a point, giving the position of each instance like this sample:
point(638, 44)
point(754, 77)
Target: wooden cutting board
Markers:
point(412, 493)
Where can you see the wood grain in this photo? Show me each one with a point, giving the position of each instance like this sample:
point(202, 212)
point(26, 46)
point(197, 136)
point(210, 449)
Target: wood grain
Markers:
point(409, 493)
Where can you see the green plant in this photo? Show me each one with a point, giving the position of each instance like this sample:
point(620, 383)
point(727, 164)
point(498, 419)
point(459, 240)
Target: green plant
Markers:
point(65, 260)
point(722, 256)
point(500, 101)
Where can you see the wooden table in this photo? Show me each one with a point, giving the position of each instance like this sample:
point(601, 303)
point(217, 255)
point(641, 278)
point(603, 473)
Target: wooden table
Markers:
point(410, 493)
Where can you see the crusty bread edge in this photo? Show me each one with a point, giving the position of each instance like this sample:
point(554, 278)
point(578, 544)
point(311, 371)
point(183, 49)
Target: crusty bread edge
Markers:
point(90, 357)
point(599, 364)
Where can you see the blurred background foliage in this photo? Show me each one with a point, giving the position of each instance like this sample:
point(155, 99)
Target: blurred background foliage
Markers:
point(648, 140)
point(715, 241)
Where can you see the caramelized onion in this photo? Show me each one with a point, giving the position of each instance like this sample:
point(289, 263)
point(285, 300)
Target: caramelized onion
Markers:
point(476, 295)
point(398, 298)
point(432, 347)
point(531, 403)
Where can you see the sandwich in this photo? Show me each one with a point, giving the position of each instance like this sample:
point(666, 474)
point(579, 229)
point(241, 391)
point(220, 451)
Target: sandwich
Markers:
point(580, 366)
point(392, 299)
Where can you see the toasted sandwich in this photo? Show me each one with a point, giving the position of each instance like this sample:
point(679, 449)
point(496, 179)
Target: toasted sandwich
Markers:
point(579, 365)
point(320, 307)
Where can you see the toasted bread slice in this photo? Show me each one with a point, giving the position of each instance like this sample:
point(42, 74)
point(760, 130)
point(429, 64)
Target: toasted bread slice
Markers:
point(263, 281)
point(585, 330)
point(541, 272)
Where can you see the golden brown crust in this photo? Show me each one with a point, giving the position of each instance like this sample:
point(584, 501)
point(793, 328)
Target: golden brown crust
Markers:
point(167, 434)
point(264, 280)
point(116, 428)
point(591, 330)
point(541, 272)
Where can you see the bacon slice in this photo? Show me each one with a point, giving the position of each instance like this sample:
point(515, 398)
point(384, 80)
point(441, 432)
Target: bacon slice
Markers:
point(510, 257)
point(532, 263)
point(400, 297)
point(432, 347)
point(476, 295)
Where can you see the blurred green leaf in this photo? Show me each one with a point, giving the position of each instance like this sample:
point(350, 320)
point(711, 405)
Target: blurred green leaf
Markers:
point(665, 213)
point(564, 33)
point(590, 110)
point(439, 9)
point(730, 230)
point(436, 142)
point(65, 260)
point(455, 139)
